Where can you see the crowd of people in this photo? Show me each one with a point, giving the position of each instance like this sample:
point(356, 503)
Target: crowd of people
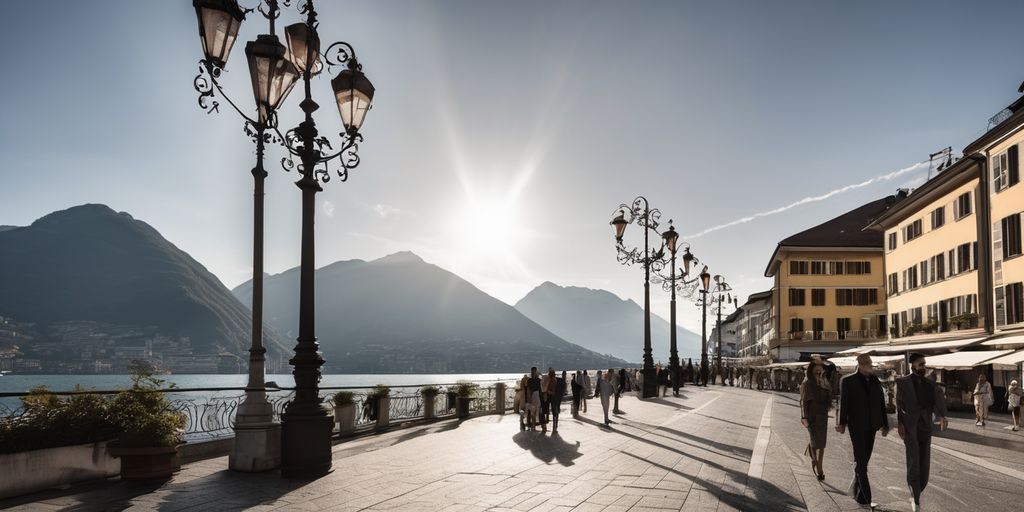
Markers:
point(538, 398)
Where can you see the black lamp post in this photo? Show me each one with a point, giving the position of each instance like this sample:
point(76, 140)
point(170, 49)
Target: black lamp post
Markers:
point(675, 281)
point(306, 426)
point(705, 283)
point(257, 436)
point(641, 213)
point(720, 293)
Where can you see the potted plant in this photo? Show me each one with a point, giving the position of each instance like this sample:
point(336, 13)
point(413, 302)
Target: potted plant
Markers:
point(345, 411)
point(429, 394)
point(149, 431)
point(465, 392)
point(377, 406)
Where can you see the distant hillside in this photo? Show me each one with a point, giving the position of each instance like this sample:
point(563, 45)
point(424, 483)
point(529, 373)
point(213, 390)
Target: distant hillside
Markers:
point(401, 314)
point(603, 322)
point(99, 270)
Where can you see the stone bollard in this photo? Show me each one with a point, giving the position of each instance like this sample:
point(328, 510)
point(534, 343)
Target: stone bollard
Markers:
point(429, 403)
point(383, 411)
point(499, 397)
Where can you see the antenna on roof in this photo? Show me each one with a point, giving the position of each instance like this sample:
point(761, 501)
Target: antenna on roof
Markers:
point(945, 159)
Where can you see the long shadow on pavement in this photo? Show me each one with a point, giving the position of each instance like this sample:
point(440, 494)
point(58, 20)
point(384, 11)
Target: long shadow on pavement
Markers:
point(548, 448)
point(764, 493)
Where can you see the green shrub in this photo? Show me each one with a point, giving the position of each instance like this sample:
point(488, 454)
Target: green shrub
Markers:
point(465, 388)
point(379, 391)
point(344, 398)
point(49, 421)
point(430, 390)
point(144, 416)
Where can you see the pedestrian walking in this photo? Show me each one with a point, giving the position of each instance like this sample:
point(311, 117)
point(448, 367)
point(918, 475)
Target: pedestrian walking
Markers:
point(815, 402)
point(918, 399)
point(982, 400)
point(522, 397)
point(533, 400)
point(603, 390)
point(862, 409)
point(555, 400)
point(619, 388)
point(547, 388)
point(588, 390)
point(1013, 397)
point(577, 392)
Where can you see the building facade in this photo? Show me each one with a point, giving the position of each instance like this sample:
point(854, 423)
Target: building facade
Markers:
point(933, 266)
point(829, 286)
point(998, 150)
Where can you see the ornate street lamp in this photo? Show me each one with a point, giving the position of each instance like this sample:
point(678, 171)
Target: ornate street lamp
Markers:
point(641, 213)
point(257, 445)
point(705, 283)
point(719, 294)
point(306, 427)
point(675, 281)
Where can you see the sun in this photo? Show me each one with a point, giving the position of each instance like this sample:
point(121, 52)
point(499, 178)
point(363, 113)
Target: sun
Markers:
point(485, 225)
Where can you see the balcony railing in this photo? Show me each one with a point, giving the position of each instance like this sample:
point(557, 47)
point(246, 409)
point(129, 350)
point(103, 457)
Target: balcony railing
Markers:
point(871, 334)
point(210, 412)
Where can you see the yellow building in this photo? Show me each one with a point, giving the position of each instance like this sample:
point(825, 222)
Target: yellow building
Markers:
point(932, 256)
point(829, 286)
point(1000, 184)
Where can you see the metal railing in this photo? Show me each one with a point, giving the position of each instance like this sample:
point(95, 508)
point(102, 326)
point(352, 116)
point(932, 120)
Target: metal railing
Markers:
point(870, 334)
point(210, 412)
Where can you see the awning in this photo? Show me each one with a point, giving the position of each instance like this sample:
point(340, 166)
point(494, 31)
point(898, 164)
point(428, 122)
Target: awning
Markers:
point(963, 360)
point(901, 348)
point(1009, 360)
point(850, 362)
point(1008, 341)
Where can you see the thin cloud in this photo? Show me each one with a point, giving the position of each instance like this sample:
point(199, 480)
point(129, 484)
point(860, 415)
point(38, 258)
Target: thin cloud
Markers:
point(814, 199)
point(386, 210)
point(329, 208)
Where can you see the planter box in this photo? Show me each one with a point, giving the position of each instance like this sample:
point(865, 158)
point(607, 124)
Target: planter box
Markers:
point(36, 470)
point(149, 463)
point(345, 415)
point(429, 402)
point(462, 406)
point(383, 411)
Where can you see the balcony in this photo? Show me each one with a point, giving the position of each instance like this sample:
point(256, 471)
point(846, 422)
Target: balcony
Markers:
point(862, 335)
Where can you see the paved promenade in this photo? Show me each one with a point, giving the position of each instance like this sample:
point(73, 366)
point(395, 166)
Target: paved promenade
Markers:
point(714, 449)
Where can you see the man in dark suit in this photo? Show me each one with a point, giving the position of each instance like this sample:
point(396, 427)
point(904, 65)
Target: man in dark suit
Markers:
point(918, 399)
point(862, 409)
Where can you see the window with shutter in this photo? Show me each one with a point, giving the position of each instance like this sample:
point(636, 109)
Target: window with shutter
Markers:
point(1000, 172)
point(938, 217)
point(1011, 236)
point(1013, 173)
point(963, 206)
point(892, 241)
point(1014, 303)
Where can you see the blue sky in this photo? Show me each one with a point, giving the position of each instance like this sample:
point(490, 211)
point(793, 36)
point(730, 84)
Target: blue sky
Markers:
point(504, 134)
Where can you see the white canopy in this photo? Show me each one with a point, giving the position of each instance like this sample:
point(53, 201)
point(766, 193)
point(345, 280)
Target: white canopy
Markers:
point(1011, 360)
point(1011, 341)
point(963, 360)
point(850, 362)
point(900, 348)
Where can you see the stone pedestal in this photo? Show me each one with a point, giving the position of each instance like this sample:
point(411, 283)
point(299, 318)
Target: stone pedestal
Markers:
point(257, 447)
point(383, 411)
point(499, 397)
point(429, 403)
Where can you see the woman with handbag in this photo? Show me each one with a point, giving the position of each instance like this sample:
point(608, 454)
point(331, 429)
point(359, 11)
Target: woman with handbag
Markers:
point(815, 402)
point(1013, 396)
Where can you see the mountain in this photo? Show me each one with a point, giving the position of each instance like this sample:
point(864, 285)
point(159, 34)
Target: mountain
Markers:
point(401, 314)
point(603, 322)
point(90, 275)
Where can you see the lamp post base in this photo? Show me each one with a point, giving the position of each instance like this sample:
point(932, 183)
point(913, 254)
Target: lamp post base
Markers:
point(306, 445)
point(650, 386)
point(257, 447)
